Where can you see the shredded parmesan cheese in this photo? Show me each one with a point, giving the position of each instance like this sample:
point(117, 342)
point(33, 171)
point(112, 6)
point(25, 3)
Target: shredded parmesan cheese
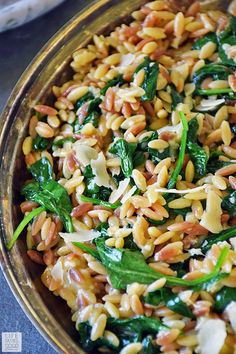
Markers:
point(233, 242)
point(85, 154)
point(117, 193)
point(211, 218)
point(129, 194)
point(211, 335)
point(81, 236)
point(99, 169)
point(57, 271)
point(231, 312)
point(183, 191)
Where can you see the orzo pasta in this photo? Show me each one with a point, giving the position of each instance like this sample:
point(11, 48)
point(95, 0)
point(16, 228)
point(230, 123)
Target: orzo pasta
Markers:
point(131, 203)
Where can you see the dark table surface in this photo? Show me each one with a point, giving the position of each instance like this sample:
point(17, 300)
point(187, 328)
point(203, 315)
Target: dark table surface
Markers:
point(17, 49)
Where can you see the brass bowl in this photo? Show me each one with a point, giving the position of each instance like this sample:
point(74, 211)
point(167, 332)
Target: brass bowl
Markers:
point(50, 314)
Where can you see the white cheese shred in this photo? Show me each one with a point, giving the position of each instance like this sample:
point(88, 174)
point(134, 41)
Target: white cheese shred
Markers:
point(117, 193)
point(81, 236)
point(99, 169)
point(211, 335)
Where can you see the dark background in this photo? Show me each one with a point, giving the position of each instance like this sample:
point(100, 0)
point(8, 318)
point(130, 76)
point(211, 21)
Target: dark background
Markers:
point(17, 48)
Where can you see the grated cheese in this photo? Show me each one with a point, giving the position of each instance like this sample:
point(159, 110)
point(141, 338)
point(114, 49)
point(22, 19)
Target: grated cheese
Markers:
point(128, 195)
point(183, 191)
point(231, 312)
point(85, 154)
point(57, 271)
point(99, 169)
point(211, 335)
point(81, 236)
point(117, 193)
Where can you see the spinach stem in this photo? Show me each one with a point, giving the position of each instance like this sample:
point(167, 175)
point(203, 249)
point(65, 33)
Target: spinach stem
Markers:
point(178, 281)
point(95, 201)
point(23, 224)
point(87, 249)
point(211, 92)
point(174, 176)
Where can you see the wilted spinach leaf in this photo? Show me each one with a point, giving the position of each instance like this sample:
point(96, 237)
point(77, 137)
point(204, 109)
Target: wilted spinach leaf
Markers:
point(87, 249)
point(197, 154)
point(125, 267)
point(84, 330)
point(229, 203)
point(171, 300)
point(60, 142)
point(134, 329)
point(215, 238)
point(215, 71)
point(228, 41)
point(183, 211)
point(215, 164)
point(174, 175)
point(125, 152)
point(41, 170)
point(151, 70)
point(87, 97)
point(49, 193)
point(117, 81)
point(127, 330)
point(39, 143)
point(210, 37)
point(176, 97)
point(149, 346)
point(223, 298)
point(154, 154)
point(92, 115)
point(96, 201)
point(53, 197)
point(92, 190)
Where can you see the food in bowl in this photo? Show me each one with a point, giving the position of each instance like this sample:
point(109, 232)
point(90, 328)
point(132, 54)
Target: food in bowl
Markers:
point(131, 201)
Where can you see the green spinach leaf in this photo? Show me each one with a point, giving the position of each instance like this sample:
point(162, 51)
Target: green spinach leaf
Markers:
point(100, 202)
point(84, 332)
point(92, 116)
point(149, 346)
point(210, 37)
point(87, 97)
point(182, 212)
point(171, 300)
point(151, 70)
point(60, 142)
point(53, 197)
point(134, 329)
point(224, 43)
point(117, 81)
point(125, 152)
point(214, 164)
point(155, 155)
point(87, 249)
point(92, 190)
point(41, 170)
point(176, 97)
point(125, 267)
point(39, 143)
point(229, 203)
point(215, 71)
point(215, 238)
point(197, 154)
point(223, 298)
point(174, 176)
